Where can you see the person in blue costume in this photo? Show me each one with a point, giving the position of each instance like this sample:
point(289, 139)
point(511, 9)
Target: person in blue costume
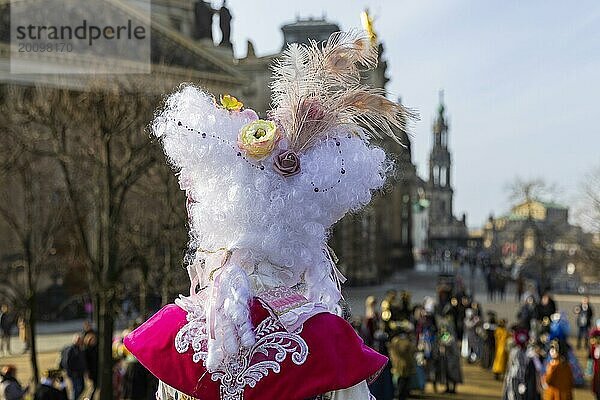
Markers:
point(559, 330)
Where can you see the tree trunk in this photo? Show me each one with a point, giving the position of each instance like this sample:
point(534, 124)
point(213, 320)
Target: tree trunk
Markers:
point(164, 283)
point(105, 333)
point(144, 296)
point(30, 285)
point(96, 300)
point(106, 292)
point(30, 321)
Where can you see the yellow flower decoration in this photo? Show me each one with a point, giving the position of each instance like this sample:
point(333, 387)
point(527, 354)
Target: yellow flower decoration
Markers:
point(258, 138)
point(230, 103)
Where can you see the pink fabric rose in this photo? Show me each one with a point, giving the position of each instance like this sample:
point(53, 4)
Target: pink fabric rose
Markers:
point(287, 163)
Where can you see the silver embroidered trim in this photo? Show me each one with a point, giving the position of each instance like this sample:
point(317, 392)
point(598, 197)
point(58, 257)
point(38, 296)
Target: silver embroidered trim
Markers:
point(273, 344)
point(193, 334)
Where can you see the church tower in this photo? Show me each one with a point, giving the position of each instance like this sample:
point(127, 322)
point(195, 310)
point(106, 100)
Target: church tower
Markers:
point(440, 185)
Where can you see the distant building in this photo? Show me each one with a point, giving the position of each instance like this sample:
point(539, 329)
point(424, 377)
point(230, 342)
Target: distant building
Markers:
point(444, 230)
point(305, 30)
point(536, 238)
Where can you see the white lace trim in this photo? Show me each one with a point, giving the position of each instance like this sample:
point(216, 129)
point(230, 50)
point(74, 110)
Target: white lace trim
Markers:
point(273, 344)
point(294, 318)
point(193, 334)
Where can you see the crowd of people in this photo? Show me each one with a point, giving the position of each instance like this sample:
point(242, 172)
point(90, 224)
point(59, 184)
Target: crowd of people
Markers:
point(421, 341)
point(7, 322)
point(541, 362)
point(78, 364)
point(496, 281)
point(426, 341)
point(80, 360)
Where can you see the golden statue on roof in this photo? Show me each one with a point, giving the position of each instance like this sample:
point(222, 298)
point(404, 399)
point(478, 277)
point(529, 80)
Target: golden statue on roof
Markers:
point(367, 23)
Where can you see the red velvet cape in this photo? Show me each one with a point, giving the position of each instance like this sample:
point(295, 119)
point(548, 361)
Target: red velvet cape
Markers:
point(337, 358)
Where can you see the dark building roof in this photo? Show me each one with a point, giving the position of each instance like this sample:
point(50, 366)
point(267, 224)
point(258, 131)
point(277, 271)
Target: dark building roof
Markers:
point(303, 30)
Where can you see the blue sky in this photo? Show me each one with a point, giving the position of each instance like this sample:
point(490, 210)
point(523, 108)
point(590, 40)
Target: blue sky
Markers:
point(521, 82)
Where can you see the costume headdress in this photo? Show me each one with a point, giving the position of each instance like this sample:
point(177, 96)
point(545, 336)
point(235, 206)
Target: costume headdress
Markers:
point(521, 337)
point(263, 194)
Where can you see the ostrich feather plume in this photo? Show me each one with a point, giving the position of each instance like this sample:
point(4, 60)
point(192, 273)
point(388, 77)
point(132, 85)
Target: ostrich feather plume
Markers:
point(318, 86)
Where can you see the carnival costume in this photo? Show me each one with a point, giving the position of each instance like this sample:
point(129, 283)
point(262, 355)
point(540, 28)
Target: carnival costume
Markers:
point(559, 332)
point(261, 319)
point(594, 359)
point(522, 380)
point(501, 337)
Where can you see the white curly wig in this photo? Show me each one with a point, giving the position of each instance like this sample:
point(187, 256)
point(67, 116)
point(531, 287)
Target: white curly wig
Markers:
point(251, 228)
